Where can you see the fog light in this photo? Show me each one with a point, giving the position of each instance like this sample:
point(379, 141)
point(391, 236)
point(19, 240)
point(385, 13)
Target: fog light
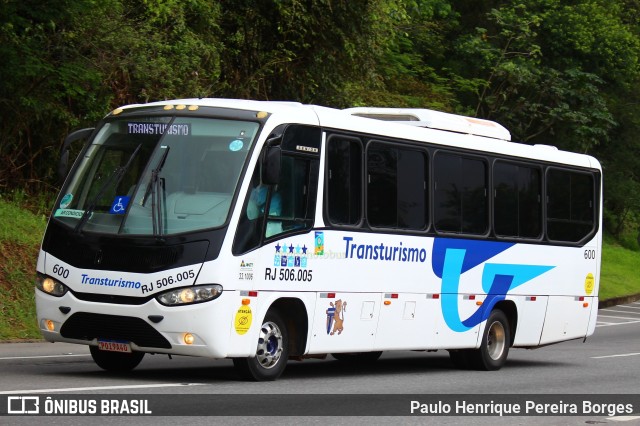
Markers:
point(188, 338)
point(50, 325)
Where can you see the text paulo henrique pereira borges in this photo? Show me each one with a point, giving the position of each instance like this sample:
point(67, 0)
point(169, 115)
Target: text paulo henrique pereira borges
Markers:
point(524, 408)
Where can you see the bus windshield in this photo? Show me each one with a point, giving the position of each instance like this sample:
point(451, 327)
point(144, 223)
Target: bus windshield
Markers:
point(157, 176)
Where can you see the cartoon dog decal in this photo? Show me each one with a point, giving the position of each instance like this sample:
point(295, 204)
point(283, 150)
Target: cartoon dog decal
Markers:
point(335, 317)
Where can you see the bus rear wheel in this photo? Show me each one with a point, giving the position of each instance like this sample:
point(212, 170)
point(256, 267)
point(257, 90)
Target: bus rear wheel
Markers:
point(115, 361)
point(272, 352)
point(496, 341)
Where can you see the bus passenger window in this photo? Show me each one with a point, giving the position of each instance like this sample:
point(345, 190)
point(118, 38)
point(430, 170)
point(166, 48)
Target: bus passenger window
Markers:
point(344, 177)
point(396, 190)
point(460, 195)
point(517, 196)
point(570, 205)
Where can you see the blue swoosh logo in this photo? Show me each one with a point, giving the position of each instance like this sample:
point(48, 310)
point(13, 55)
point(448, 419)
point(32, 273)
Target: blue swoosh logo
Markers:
point(452, 258)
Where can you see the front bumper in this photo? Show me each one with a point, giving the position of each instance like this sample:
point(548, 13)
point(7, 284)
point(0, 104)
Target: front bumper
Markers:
point(150, 327)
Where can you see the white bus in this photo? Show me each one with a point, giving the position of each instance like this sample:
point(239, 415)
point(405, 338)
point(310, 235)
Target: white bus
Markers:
point(269, 231)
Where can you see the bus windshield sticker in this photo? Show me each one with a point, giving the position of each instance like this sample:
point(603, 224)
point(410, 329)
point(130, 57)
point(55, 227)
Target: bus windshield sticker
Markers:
point(119, 205)
point(69, 213)
point(182, 129)
point(236, 145)
point(66, 200)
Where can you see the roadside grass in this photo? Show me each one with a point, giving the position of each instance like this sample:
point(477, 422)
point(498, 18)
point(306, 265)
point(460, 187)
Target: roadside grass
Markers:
point(21, 233)
point(20, 236)
point(619, 274)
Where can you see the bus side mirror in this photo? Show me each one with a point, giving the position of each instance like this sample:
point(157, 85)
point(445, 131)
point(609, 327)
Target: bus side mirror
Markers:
point(270, 172)
point(63, 164)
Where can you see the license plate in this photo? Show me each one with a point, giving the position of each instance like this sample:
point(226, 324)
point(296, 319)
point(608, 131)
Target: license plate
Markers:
point(114, 346)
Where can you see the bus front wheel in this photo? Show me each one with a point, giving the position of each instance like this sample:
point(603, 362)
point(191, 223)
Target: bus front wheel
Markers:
point(115, 361)
point(272, 351)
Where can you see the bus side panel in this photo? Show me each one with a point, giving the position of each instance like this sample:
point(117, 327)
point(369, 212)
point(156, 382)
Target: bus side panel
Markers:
point(407, 321)
point(449, 338)
point(531, 312)
point(567, 318)
point(345, 322)
point(593, 318)
point(247, 318)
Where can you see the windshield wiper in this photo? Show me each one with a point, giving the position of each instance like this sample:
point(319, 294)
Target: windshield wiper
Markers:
point(117, 174)
point(157, 186)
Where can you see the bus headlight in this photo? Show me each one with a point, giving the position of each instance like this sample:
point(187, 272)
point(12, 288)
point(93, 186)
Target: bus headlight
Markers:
point(190, 295)
point(50, 285)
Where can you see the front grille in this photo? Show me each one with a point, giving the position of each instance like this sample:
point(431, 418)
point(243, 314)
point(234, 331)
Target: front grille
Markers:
point(87, 326)
point(110, 298)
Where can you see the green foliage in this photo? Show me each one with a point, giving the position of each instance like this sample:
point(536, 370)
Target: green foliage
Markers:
point(310, 51)
point(553, 72)
point(533, 85)
point(67, 63)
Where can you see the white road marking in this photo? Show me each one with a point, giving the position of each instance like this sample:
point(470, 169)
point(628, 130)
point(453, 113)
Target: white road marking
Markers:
point(43, 356)
point(612, 316)
point(624, 306)
point(615, 310)
point(157, 385)
point(623, 418)
point(618, 323)
point(615, 356)
point(604, 313)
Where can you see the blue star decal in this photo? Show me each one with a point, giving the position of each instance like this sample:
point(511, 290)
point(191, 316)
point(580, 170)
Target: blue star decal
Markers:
point(291, 248)
point(304, 249)
point(277, 248)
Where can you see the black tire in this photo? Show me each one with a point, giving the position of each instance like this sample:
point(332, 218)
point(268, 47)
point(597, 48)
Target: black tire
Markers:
point(460, 358)
point(358, 357)
point(272, 352)
point(496, 341)
point(115, 361)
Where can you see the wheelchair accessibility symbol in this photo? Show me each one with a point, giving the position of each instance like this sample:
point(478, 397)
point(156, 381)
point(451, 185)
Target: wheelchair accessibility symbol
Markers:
point(119, 205)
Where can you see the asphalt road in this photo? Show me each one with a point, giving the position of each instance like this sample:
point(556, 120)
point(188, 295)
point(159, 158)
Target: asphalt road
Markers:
point(607, 363)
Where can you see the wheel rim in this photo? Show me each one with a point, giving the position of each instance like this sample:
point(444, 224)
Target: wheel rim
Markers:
point(496, 340)
point(269, 345)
